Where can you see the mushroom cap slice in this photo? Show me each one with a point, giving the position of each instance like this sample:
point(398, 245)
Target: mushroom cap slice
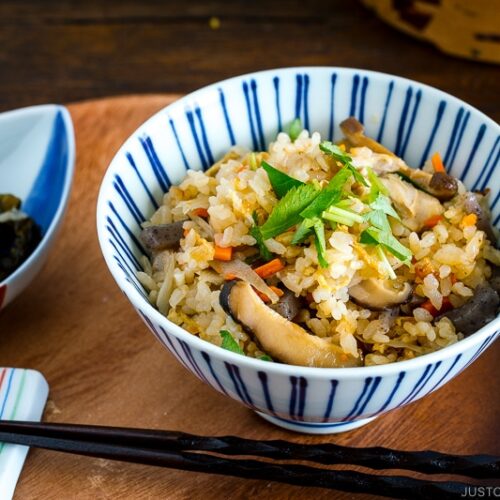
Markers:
point(414, 206)
point(376, 293)
point(284, 340)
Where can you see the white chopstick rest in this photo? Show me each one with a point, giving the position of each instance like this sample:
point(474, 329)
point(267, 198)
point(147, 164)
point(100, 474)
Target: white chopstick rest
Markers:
point(23, 394)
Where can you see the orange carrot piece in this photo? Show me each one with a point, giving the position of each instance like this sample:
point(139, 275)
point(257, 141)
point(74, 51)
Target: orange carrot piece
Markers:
point(201, 212)
point(469, 220)
point(453, 278)
point(269, 268)
point(230, 277)
point(437, 163)
point(445, 306)
point(185, 232)
point(278, 291)
point(433, 221)
point(262, 296)
point(223, 253)
point(427, 305)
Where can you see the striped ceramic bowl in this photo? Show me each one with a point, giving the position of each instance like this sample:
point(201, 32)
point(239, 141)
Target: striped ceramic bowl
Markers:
point(37, 156)
point(409, 118)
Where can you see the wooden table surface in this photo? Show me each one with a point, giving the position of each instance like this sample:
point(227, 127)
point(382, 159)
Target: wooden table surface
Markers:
point(75, 326)
point(104, 367)
point(66, 50)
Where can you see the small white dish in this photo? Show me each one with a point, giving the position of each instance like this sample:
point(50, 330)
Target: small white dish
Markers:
point(37, 156)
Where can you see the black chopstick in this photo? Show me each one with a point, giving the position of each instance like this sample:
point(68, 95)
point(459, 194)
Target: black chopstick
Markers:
point(428, 462)
point(350, 481)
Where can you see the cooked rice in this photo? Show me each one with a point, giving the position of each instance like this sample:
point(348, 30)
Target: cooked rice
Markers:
point(449, 260)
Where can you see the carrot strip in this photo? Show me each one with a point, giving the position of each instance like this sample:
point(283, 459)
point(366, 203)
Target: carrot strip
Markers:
point(469, 220)
point(262, 296)
point(223, 253)
point(433, 221)
point(201, 212)
point(453, 278)
point(230, 277)
point(427, 305)
point(445, 306)
point(269, 268)
point(278, 291)
point(437, 163)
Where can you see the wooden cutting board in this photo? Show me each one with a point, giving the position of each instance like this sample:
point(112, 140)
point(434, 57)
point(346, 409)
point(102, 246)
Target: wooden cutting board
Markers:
point(104, 367)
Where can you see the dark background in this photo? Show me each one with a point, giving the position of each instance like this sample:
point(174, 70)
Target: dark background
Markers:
point(69, 50)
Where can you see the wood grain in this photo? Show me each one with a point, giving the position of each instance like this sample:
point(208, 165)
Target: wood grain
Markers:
point(61, 51)
point(104, 367)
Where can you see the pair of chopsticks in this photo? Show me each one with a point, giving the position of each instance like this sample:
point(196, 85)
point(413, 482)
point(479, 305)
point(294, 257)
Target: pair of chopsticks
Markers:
point(182, 451)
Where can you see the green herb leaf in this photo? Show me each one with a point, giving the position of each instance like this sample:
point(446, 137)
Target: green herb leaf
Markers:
point(330, 195)
point(281, 182)
point(333, 150)
point(319, 242)
point(303, 231)
point(378, 218)
point(287, 212)
point(376, 186)
point(265, 357)
point(384, 204)
point(265, 253)
point(229, 343)
point(294, 129)
point(374, 235)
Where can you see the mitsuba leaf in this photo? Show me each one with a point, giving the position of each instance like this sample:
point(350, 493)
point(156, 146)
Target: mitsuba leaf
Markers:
point(281, 182)
point(229, 343)
point(319, 241)
point(287, 212)
point(330, 195)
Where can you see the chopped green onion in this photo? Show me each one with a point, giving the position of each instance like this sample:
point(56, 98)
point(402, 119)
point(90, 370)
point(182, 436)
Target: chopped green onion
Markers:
point(294, 129)
point(253, 161)
point(337, 218)
point(348, 214)
point(385, 262)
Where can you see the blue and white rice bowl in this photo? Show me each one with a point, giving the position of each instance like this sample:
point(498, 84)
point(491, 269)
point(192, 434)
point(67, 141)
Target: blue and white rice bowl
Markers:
point(37, 157)
point(409, 118)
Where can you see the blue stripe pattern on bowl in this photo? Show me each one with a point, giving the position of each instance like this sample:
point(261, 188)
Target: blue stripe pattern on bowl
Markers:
point(409, 118)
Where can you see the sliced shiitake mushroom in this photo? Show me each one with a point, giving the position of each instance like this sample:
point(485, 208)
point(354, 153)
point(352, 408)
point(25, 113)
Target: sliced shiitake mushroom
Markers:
point(414, 206)
point(378, 294)
point(282, 339)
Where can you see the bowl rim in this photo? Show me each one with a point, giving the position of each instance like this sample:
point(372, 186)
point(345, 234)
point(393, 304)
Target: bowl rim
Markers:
point(68, 180)
point(141, 304)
